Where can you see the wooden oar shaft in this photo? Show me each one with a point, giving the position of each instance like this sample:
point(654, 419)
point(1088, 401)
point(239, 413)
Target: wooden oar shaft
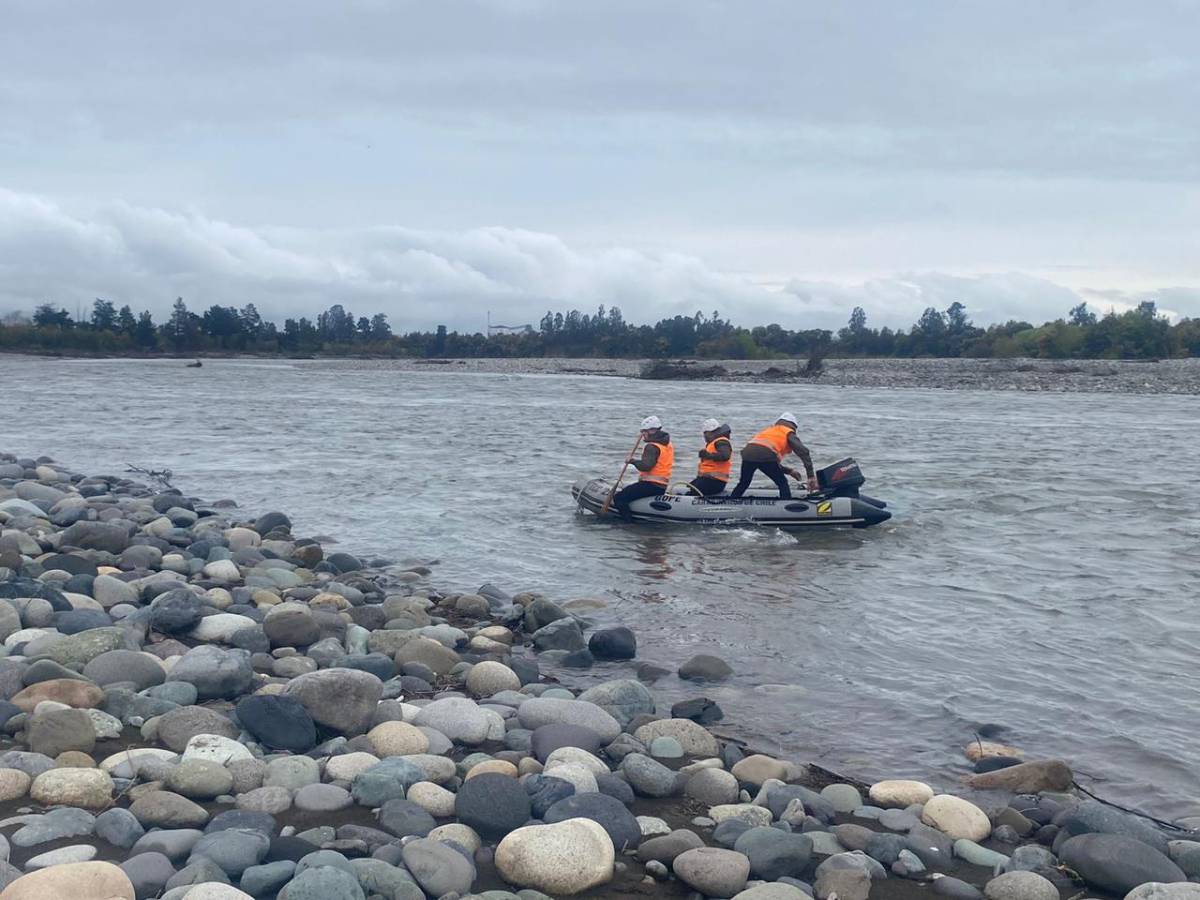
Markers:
point(616, 484)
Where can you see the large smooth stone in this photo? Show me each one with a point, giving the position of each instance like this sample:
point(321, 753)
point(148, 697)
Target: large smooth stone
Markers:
point(1020, 886)
point(88, 788)
point(712, 871)
point(694, 739)
point(899, 793)
point(341, 699)
point(215, 673)
point(957, 818)
point(457, 718)
point(1117, 863)
point(539, 711)
point(73, 881)
point(560, 859)
point(164, 809)
point(492, 804)
point(280, 722)
point(438, 867)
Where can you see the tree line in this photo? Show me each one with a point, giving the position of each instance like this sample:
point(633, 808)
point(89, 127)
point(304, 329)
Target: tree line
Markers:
point(1141, 333)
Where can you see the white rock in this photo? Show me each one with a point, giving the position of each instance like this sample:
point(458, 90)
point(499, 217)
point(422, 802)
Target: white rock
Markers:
point(397, 739)
point(577, 755)
point(88, 788)
point(132, 755)
point(756, 815)
point(212, 890)
point(348, 766)
point(457, 718)
point(76, 853)
point(899, 793)
point(107, 727)
point(242, 538)
point(488, 678)
point(215, 748)
point(652, 826)
point(434, 799)
point(694, 738)
point(221, 627)
point(957, 818)
point(583, 778)
point(225, 570)
point(564, 858)
point(463, 835)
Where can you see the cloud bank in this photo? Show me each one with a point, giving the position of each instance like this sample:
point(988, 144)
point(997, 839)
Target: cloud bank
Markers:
point(422, 278)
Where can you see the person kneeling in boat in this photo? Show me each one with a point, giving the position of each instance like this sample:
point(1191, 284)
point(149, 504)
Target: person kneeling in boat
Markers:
point(765, 452)
point(716, 460)
point(658, 457)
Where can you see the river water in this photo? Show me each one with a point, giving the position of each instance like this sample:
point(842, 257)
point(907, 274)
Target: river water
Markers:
point(1040, 574)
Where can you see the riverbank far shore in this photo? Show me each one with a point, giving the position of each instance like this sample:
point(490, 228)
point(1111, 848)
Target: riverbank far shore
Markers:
point(1170, 376)
point(195, 698)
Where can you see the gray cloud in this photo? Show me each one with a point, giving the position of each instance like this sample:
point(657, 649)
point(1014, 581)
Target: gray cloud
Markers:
point(421, 278)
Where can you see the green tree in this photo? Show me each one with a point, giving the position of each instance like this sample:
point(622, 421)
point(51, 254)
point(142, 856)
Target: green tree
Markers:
point(145, 335)
point(46, 316)
point(104, 315)
point(126, 323)
point(183, 328)
point(380, 329)
point(1082, 316)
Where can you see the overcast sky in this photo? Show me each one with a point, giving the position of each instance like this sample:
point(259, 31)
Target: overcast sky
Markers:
point(778, 161)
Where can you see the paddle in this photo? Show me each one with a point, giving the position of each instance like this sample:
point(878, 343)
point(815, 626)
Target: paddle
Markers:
point(620, 477)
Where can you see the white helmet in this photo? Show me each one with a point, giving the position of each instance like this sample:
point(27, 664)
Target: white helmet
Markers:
point(709, 425)
point(651, 423)
point(789, 418)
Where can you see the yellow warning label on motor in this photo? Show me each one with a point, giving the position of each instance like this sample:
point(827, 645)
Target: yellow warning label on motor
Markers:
point(825, 508)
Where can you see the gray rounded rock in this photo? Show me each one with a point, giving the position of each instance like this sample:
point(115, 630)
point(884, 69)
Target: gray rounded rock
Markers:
point(1020, 886)
point(125, 665)
point(773, 853)
point(438, 867)
point(322, 798)
point(1117, 863)
point(324, 883)
point(712, 787)
point(234, 849)
point(649, 777)
point(712, 871)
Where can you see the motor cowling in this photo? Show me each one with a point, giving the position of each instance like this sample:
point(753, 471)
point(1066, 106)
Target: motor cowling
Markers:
point(843, 478)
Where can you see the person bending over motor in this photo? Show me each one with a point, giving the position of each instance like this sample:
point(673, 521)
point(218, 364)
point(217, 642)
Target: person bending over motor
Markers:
point(716, 460)
point(658, 456)
point(765, 452)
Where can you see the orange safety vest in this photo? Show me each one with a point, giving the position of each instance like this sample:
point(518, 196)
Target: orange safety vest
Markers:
point(661, 473)
point(712, 468)
point(776, 438)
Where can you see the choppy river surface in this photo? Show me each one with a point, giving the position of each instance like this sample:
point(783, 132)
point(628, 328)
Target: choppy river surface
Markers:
point(1041, 572)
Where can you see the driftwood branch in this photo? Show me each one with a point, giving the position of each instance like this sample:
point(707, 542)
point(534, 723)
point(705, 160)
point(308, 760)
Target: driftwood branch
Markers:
point(161, 476)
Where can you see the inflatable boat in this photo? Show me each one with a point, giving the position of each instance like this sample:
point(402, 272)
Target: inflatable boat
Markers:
point(837, 503)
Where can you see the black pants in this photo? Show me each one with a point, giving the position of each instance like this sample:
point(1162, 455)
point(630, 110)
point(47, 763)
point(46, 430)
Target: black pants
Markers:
point(706, 485)
point(772, 470)
point(635, 491)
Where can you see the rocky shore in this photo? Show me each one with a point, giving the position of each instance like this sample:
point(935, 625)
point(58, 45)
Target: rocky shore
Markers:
point(201, 704)
point(1173, 376)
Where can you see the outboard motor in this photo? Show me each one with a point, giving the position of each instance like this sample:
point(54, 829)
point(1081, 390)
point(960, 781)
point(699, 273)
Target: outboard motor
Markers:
point(843, 479)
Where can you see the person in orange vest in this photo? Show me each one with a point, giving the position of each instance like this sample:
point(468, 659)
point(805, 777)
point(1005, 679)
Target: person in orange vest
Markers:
point(654, 467)
point(765, 452)
point(716, 460)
